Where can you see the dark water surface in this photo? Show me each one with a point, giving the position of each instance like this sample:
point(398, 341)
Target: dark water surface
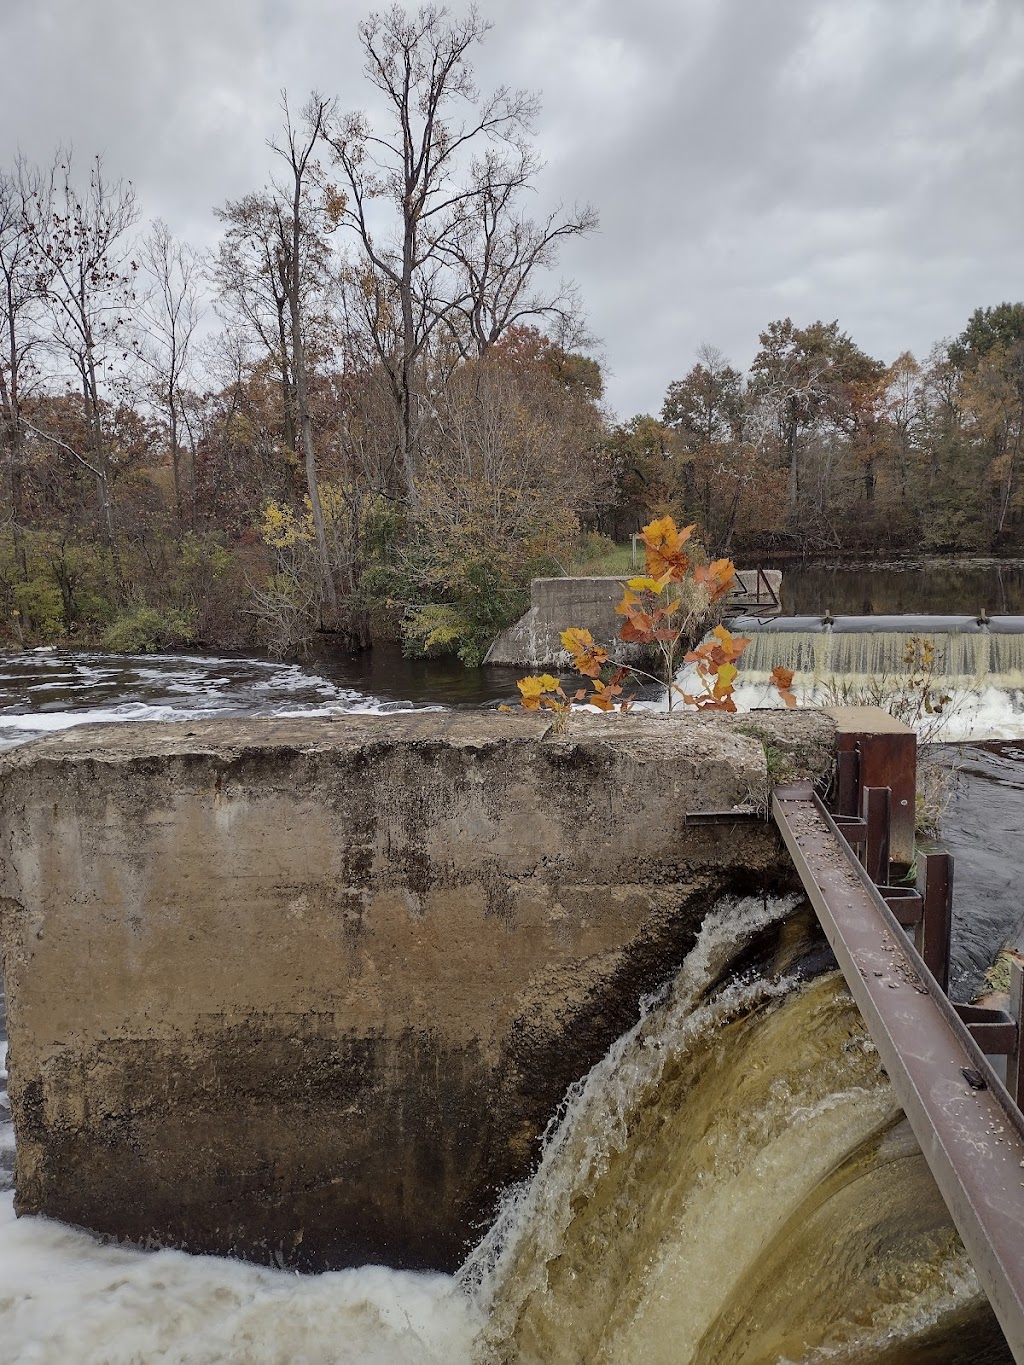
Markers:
point(50, 689)
point(984, 830)
point(928, 587)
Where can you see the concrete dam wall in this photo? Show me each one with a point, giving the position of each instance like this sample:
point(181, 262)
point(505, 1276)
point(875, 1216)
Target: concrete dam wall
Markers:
point(534, 641)
point(308, 991)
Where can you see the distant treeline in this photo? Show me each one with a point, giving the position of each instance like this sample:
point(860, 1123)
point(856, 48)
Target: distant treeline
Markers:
point(820, 448)
point(371, 409)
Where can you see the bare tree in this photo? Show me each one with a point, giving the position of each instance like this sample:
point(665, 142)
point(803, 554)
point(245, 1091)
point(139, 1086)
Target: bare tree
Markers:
point(21, 288)
point(496, 253)
point(302, 223)
point(421, 64)
point(272, 270)
point(169, 312)
point(86, 276)
point(246, 271)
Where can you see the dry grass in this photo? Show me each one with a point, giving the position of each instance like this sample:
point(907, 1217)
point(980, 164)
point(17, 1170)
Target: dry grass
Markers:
point(938, 775)
point(611, 563)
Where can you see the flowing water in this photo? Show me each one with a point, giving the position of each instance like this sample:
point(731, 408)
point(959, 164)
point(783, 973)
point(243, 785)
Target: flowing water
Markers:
point(975, 674)
point(732, 1184)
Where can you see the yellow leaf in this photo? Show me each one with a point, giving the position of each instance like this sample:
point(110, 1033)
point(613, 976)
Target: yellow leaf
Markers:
point(577, 640)
point(536, 685)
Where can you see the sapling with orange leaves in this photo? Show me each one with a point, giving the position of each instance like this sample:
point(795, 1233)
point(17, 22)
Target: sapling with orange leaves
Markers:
point(660, 610)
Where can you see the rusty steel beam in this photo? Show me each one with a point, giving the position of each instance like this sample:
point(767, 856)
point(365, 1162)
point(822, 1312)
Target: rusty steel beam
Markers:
point(969, 1129)
point(877, 818)
point(855, 830)
point(905, 903)
point(848, 781)
point(1015, 1059)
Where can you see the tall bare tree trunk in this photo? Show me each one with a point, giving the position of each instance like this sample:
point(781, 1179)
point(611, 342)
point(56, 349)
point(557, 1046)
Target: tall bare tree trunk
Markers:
point(298, 158)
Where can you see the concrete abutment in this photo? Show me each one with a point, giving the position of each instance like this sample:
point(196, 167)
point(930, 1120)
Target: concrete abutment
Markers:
point(307, 991)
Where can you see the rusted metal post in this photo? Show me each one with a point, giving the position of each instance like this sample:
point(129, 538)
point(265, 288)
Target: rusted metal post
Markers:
point(1015, 1057)
point(935, 882)
point(877, 804)
point(886, 754)
point(848, 782)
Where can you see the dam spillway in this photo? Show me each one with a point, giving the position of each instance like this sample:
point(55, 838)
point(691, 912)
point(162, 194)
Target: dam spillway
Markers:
point(968, 651)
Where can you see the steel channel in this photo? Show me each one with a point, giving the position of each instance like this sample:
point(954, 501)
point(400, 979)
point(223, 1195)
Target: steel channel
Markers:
point(972, 1139)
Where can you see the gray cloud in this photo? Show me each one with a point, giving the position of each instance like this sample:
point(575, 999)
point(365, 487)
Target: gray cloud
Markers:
point(857, 159)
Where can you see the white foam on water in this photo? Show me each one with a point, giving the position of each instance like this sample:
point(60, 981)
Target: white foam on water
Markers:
point(977, 714)
point(118, 690)
point(66, 1298)
point(45, 722)
point(972, 714)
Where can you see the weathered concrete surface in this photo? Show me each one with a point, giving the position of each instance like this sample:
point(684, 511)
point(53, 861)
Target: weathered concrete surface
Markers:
point(534, 640)
point(555, 605)
point(309, 990)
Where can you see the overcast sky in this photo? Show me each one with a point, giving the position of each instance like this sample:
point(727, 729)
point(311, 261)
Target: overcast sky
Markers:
point(750, 159)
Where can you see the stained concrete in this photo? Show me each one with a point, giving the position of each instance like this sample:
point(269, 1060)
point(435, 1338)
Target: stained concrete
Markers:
point(556, 604)
point(534, 641)
point(308, 991)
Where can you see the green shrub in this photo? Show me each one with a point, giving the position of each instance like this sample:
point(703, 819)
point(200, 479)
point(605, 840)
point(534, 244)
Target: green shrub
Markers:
point(144, 630)
point(40, 606)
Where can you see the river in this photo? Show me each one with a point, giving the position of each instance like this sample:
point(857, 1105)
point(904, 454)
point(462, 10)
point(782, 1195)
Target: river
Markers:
point(655, 1230)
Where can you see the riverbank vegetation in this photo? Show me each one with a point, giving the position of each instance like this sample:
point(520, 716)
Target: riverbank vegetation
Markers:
point(373, 409)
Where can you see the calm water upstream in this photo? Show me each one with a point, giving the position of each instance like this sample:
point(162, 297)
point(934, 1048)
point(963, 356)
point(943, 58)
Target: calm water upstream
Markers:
point(929, 587)
point(634, 1242)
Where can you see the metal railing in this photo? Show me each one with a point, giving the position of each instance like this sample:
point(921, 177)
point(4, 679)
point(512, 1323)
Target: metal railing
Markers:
point(967, 1122)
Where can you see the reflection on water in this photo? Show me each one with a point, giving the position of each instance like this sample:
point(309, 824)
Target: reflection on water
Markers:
point(937, 586)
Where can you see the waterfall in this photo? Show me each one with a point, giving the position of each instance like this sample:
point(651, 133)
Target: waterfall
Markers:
point(977, 674)
point(732, 1185)
point(866, 647)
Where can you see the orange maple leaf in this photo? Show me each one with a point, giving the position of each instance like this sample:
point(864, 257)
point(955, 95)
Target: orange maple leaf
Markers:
point(588, 658)
point(719, 577)
point(666, 557)
point(783, 680)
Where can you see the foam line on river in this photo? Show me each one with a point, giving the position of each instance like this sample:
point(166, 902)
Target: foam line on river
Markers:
point(48, 692)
